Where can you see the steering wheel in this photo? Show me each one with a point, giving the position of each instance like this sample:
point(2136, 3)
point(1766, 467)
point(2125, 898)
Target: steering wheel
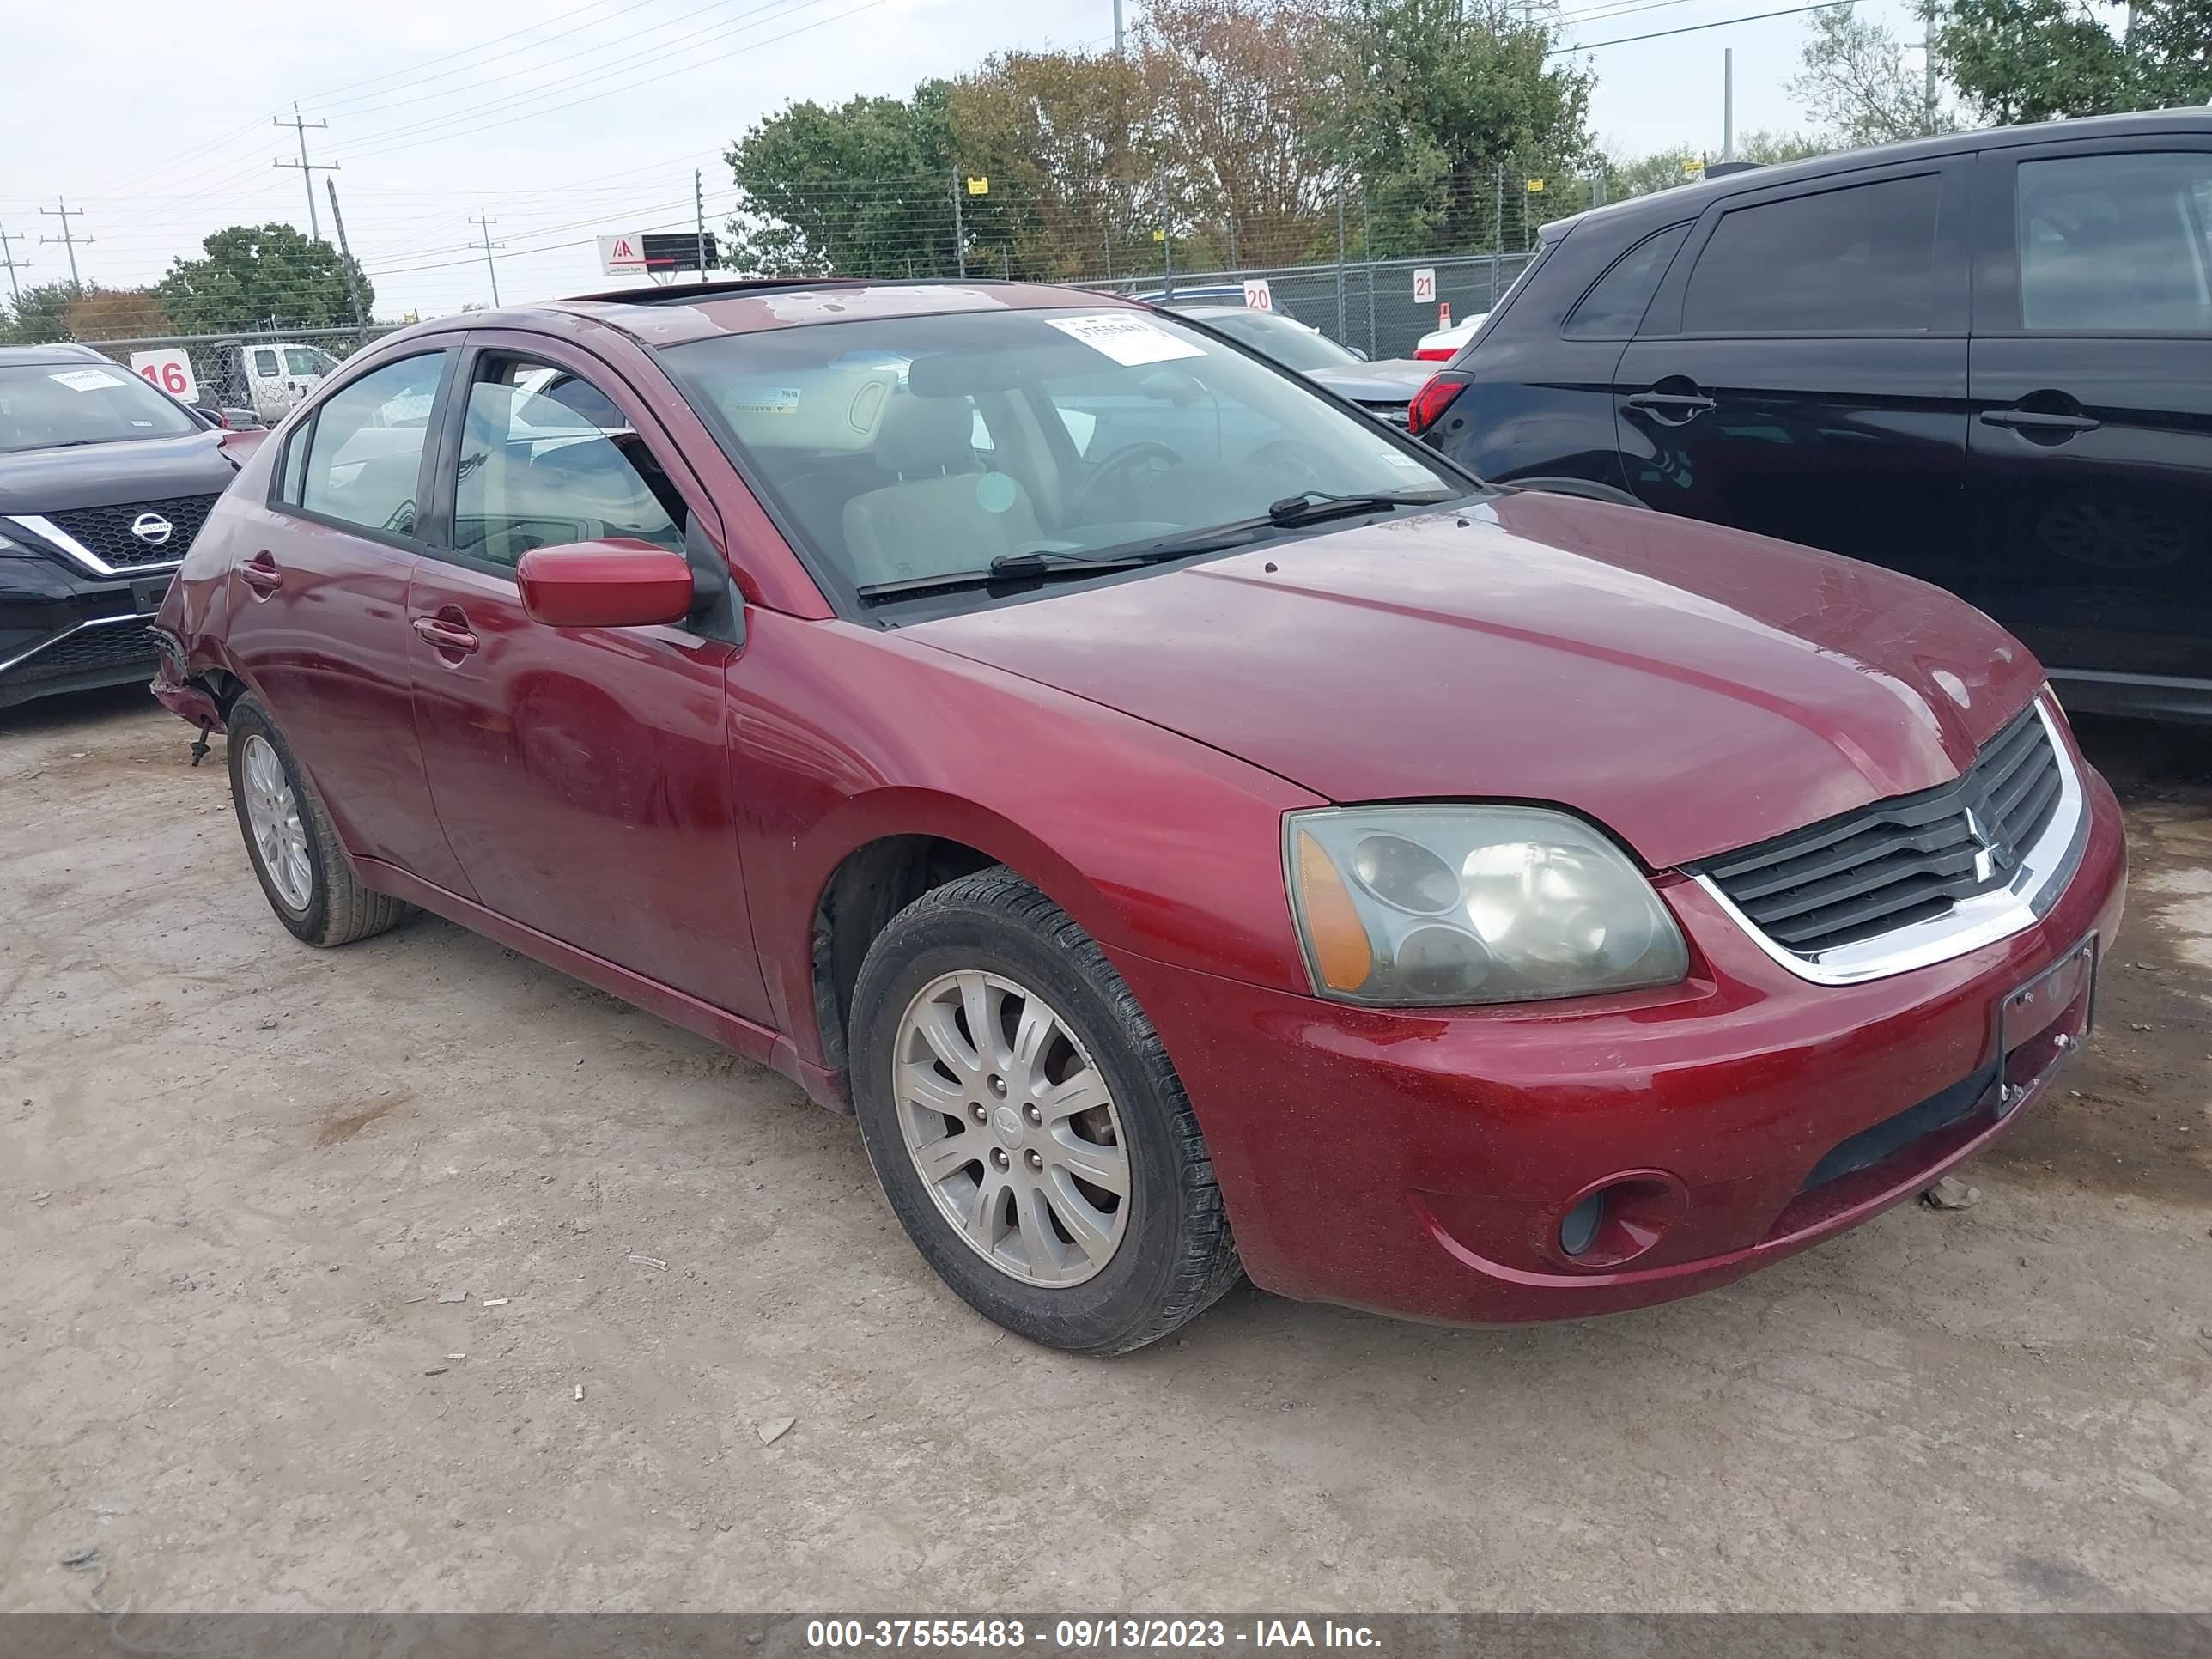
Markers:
point(1295, 460)
point(1117, 466)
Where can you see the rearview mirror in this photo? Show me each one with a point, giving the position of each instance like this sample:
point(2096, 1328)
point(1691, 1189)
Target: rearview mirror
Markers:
point(1172, 386)
point(618, 583)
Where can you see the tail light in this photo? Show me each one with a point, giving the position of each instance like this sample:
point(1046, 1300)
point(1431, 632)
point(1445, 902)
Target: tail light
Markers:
point(1435, 354)
point(1430, 402)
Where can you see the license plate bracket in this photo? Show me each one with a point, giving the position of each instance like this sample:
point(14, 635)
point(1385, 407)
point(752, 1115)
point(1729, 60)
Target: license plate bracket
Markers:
point(148, 593)
point(2041, 1022)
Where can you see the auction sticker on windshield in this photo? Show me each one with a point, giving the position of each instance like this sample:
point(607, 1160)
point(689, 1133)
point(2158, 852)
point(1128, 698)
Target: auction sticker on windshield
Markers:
point(87, 380)
point(1127, 340)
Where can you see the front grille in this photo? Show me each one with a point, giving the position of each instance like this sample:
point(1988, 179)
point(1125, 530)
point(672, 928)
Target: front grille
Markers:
point(121, 646)
point(106, 530)
point(1864, 873)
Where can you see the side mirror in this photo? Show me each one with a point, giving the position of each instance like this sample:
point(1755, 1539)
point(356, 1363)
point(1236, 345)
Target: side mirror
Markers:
point(610, 584)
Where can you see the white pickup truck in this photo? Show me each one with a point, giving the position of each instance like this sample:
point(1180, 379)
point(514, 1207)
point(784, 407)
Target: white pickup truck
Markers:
point(269, 376)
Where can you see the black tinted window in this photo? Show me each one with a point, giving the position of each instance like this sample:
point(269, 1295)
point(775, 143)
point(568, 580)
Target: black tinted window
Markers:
point(1862, 258)
point(365, 451)
point(2116, 241)
point(1612, 309)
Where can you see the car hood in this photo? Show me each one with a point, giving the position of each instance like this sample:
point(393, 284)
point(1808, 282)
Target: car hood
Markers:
point(106, 475)
point(1393, 381)
point(1694, 688)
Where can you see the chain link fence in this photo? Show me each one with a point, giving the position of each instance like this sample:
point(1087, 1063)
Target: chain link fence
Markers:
point(263, 373)
point(1369, 306)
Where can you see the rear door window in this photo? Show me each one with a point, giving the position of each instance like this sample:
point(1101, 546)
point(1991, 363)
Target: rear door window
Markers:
point(365, 450)
point(1616, 301)
point(2116, 241)
point(1856, 260)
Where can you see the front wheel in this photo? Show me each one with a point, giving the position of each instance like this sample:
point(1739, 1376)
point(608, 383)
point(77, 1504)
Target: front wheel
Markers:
point(1027, 1127)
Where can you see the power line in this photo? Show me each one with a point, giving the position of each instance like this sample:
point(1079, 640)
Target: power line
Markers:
point(1693, 28)
point(308, 170)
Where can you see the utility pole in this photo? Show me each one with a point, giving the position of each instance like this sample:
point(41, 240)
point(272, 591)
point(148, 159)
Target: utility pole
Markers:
point(1117, 28)
point(484, 224)
point(1927, 61)
point(1727, 103)
point(699, 206)
point(64, 212)
point(8, 259)
point(1339, 261)
point(345, 258)
point(959, 230)
point(308, 170)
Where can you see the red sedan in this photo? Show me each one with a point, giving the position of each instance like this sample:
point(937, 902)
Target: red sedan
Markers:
point(1192, 827)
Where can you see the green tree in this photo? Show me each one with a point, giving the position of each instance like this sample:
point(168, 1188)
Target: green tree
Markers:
point(858, 188)
point(251, 276)
point(1856, 79)
point(1431, 99)
point(2043, 60)
point(41, 316)
point(1664, 169)
point(1068, 143)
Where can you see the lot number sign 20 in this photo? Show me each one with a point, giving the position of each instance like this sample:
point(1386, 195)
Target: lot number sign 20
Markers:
point(170, 370)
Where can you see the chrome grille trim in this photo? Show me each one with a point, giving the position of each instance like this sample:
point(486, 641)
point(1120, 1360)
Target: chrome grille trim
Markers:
point(2045, 864)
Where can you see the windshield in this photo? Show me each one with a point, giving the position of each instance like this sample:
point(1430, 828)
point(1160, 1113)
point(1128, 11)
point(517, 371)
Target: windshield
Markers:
point(1294, 345)
point(43, 405)
point(903, 449)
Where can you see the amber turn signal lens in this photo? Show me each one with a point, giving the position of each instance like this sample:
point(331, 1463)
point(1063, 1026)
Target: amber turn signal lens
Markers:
point(1342, 955)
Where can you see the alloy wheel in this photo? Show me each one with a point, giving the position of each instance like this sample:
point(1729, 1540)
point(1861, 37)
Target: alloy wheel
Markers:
point(272, 812)
point(1011, 1127)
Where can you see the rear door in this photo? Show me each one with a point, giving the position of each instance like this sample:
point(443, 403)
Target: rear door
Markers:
point(1802, 371)
point(2091, 383)
point(582, 773)
point(318, 606)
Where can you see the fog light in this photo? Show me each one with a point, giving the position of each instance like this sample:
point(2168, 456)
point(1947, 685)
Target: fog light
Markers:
point(1578, 1227)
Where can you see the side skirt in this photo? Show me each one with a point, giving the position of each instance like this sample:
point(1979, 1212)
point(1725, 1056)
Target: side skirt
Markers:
point(733, 1031)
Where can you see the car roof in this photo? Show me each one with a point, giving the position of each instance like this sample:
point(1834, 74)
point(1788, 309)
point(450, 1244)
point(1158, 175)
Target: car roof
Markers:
point(685, 312)
point(1688, 201)
point(62, 351)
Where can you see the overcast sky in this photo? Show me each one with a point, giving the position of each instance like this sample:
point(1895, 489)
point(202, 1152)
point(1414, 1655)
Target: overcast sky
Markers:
point(563, 120)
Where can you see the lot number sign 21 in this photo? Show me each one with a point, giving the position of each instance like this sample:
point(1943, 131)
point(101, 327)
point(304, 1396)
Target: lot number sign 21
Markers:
point(170, 370)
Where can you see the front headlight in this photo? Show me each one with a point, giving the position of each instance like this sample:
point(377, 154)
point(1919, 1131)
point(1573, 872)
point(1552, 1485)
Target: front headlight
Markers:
point(1436, 905)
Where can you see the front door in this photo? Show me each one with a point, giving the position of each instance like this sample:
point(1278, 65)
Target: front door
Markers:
point(2091, 448)
point(582, 774)
point(1802, 373)
point(318, 580)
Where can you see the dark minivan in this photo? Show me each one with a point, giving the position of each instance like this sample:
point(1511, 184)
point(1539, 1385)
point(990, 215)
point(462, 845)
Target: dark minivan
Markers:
point(1984, 360)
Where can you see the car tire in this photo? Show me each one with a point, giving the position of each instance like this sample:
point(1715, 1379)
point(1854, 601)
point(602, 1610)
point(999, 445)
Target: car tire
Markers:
point(1051, 1280)
point(295, 854)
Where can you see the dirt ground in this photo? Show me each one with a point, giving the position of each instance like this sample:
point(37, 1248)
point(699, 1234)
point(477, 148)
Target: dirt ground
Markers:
point(307, 1255)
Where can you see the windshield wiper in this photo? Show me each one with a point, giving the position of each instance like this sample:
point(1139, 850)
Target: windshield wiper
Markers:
point(1309, 505)
point(1048, 564)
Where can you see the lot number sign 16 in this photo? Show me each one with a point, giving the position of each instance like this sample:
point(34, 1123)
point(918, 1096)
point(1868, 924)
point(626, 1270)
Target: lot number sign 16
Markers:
point(170, 370)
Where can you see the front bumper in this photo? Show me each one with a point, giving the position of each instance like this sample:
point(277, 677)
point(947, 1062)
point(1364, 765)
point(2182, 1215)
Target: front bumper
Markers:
point(63, 631)
point(1420, 1163)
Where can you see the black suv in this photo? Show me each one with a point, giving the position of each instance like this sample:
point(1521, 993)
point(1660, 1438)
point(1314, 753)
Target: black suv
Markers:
point(1984, 360)
point(104, 482)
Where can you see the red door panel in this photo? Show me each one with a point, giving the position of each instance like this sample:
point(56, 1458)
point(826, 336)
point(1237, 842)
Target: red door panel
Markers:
point(582, 775)
point(320, 629)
